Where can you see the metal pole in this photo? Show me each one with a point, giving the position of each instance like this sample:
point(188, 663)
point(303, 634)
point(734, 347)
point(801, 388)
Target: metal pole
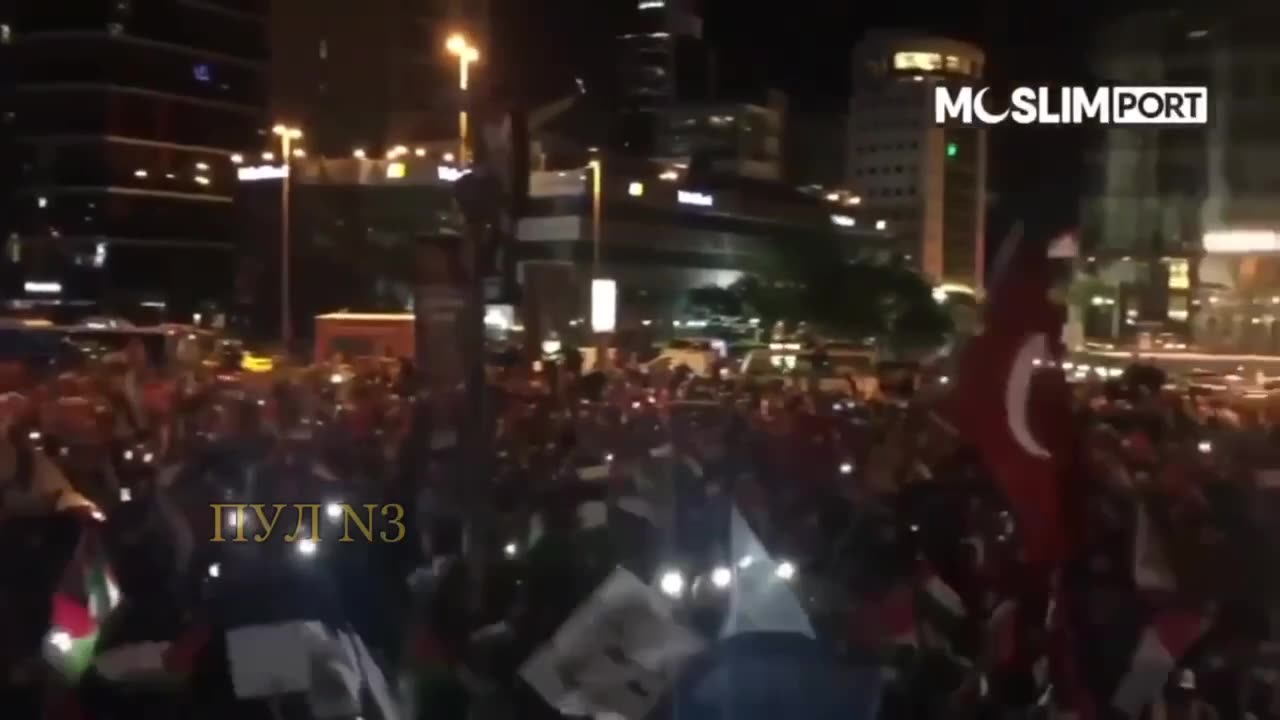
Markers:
point(597, 183)
point(286, 324)
point(463, 83)
point(597, 195)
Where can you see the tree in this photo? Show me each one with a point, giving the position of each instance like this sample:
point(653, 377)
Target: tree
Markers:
point(836, 298)
point(716, 300)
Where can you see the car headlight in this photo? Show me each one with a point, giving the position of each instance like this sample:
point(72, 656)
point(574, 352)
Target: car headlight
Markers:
point(722, 577)
point(672, 583)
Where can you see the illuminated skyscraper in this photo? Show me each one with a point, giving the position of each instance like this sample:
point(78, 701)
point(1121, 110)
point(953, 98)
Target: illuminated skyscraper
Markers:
point(124, 116)
point(926, 182)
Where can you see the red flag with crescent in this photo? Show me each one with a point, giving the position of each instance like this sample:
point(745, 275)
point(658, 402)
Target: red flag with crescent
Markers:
point(1011, 401)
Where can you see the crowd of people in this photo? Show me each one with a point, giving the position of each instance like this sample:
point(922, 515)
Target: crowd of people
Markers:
point(908, 561)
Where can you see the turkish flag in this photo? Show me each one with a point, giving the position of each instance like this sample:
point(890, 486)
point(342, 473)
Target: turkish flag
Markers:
point(1012, 403)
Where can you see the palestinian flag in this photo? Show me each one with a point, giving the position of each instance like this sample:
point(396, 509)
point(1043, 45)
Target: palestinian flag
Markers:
point(83, 599)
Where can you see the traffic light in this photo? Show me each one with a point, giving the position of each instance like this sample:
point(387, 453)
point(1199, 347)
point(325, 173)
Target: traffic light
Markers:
point(952, 149)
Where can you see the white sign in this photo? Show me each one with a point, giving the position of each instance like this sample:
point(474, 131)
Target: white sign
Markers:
point(262, 172)
point(688, 197)
point(1106, 105)
point(42, 288)
point(449, 174)
point(1242, 241)
point(604, 305)
point(617, 653)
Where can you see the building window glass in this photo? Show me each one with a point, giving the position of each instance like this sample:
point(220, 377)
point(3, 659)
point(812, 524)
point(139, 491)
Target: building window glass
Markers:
point(927, 62)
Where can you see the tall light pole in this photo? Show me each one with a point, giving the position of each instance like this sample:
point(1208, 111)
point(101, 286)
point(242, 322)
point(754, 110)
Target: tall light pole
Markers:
point(459, 47)
point(287, 136)
point(597, 207)
point(597, 173)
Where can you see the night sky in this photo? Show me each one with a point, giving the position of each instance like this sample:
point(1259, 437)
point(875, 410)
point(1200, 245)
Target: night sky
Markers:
point(803, 47)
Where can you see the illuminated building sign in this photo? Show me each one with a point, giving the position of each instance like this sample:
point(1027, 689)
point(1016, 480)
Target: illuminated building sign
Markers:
point(395, 171)
point(1242, 241)
point(688, 197)
point(262, 172)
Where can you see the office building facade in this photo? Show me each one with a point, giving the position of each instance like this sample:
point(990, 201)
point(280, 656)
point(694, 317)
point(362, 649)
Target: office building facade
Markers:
point(123, 118)
point(929, 182)
point(1183, 224)
point(742, 139)
point(662, 60)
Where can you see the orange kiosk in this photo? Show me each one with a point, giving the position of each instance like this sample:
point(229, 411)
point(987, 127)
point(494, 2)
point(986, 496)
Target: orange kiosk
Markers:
point(357, 335)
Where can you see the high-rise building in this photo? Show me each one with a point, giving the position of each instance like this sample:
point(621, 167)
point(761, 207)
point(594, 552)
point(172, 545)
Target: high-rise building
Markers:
point(929, 182)
point(731, 138)
point(124, 115)
point(1183, 224)
point(662, 60)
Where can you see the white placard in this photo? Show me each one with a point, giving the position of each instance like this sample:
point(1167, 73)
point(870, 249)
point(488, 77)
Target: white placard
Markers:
point(616, 654)
point(269, 660)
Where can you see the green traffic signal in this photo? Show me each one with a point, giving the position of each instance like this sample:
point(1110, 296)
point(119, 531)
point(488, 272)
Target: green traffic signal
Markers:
point(952, 150)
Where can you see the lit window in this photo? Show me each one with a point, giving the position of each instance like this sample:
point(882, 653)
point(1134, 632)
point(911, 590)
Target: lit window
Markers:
point(324, 49)
point(115, 28)
point(6, 34)
point(928, 62)
point(1179, 275)
point(959, 65)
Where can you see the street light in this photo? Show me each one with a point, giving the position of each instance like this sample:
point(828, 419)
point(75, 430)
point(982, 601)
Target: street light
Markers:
point(597, 171)
point(287, 136)
point(459, 47)
point(597, 186)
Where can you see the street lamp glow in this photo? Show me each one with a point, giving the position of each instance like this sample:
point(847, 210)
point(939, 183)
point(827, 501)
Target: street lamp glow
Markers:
point(236, 159)
point(358, 153)
point(285, 131)
point(458, 45)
